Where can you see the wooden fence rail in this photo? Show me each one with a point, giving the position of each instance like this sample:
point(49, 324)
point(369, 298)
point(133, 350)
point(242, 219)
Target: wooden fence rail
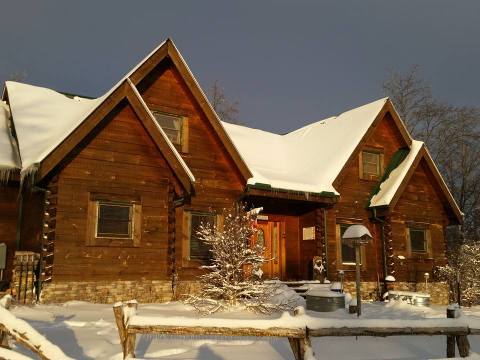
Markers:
point(298, 337)
point(24, 334)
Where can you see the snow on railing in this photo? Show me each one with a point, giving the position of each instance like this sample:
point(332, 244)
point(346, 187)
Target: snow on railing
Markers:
point(26, 335)
point(297, 328)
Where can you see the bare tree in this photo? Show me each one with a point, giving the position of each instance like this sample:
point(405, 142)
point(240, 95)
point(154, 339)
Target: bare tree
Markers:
point(225, 109)
point(18, 76)
point(452, 135)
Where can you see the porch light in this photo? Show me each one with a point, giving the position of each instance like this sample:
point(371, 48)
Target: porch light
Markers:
point(356, 236)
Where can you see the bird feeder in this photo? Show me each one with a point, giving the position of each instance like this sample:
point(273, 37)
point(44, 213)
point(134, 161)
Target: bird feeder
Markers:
point(356, 236)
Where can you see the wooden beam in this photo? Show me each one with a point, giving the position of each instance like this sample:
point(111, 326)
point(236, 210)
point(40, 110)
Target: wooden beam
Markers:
point(72, 140)
point(202, 100)
point(224, 331)
point(160, 139)
point(312, 198)
point(389, 331)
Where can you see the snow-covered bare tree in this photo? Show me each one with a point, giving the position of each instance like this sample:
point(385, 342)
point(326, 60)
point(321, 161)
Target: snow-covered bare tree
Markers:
point(226, 110)
point(452, 135)
point(233, 277)
point(463, 274)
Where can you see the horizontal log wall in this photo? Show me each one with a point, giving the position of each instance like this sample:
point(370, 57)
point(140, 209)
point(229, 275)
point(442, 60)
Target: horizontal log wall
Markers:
point(354, 195)
point(120, 159)
point(420, 202)
point(8, 224)
point(218, 183)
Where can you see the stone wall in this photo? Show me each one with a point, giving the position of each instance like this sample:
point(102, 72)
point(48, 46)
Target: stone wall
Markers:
point(144, 291)
point(438, 290)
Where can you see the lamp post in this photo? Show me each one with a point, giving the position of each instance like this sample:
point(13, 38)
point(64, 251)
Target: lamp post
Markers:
point(356, 236)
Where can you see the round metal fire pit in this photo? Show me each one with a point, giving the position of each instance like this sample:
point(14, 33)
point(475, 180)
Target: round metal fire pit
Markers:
point(324, 301)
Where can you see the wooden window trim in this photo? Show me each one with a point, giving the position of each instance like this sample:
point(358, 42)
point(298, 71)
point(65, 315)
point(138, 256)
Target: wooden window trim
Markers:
point(184, 132)
point(428, 240)
point(340, 264)
point(186, 230)
point(370, 177)
point(92, 217)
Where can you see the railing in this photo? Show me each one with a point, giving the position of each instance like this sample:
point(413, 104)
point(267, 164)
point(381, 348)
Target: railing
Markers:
point(298, 329)
point(20, 331)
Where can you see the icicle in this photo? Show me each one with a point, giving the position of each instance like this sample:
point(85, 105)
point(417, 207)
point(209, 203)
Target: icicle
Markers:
point(5, 175)
point(28, 174)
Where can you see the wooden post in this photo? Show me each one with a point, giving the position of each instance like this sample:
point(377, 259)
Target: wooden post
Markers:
point(463, 345)
point(461, 340)
point(130, 337)
point(4, 334)
point(357, 272)
point(300, 345)
point(122, 331)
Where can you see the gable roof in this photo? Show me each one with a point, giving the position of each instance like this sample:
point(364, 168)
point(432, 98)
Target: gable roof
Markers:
point(49, 122)
point(308, 159)
point(42, 119)
point(392, 187)
point(46, 121)
point(9, 160)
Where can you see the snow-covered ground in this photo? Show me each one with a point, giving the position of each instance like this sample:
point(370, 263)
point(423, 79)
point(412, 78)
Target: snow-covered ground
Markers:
point(88, 331)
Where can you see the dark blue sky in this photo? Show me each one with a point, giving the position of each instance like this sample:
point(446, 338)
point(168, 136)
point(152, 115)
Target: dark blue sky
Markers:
point(286, 62)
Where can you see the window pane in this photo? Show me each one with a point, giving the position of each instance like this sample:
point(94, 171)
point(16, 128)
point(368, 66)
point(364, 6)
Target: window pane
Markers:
point(417, 240)
point(171, 124)
point(371, 163)
point(348, 252)
point(114, 220)
point(198, 249)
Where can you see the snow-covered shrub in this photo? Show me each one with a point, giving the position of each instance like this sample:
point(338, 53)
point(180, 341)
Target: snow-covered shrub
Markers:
point(232, 277)
point(463, 273)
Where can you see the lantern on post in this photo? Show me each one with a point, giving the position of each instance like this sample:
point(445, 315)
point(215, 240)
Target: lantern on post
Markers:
point(356, 236)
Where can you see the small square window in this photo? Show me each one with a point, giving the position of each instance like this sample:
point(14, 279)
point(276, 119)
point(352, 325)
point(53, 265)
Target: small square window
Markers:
point(199, 250)
point(114, 220)
point(172, 125)
point(371, 165)
point(418, 240)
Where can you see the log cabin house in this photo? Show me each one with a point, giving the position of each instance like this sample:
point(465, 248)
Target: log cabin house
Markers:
point(106, 193)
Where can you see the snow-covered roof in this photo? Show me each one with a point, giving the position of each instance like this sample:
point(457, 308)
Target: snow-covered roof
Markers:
point(389, 187)
point(8, 155)
point(308, 159)
point(43, 118)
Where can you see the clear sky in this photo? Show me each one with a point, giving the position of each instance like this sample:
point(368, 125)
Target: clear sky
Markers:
point(287, 63)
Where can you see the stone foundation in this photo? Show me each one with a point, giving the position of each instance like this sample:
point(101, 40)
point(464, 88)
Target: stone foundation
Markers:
point(438, 290)
point(108, 292)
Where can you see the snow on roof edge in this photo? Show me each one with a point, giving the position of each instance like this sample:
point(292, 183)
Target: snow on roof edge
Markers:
point(174, 150)
point(389, 187)
point(205, 98)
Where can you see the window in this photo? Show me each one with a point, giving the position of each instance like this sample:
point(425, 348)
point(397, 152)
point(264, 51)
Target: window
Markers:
point(113, 221)
point(418, 240)
point(172, 125)
point(371, 165)
point(199, 250)
point(347, 253)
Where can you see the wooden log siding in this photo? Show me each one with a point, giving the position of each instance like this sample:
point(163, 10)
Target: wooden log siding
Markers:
point(171, 234)
point(121, 160)
point(389, 251)
point(320, 240)
point(9, 207)
point(218, 182)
